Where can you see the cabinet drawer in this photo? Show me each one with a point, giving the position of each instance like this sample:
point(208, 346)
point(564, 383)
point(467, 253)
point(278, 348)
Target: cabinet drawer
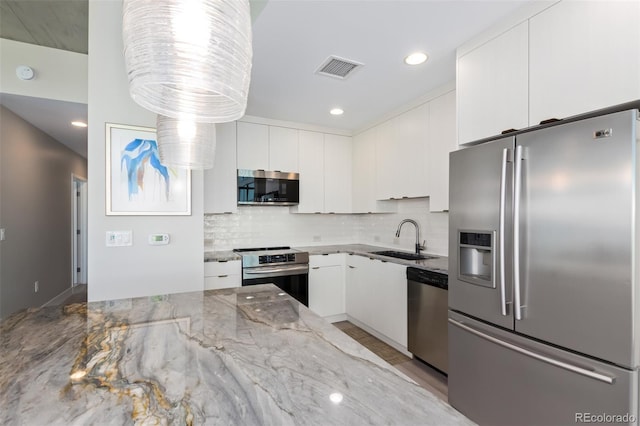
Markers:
point(231, 267)
point(319, 260)
point(222, 281)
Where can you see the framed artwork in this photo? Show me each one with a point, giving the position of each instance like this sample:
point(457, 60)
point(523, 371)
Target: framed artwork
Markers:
point(137, 182)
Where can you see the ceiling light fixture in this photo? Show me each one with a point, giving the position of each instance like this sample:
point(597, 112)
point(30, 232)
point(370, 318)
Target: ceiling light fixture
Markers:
point(336, 111)
point(79, 123)
point(416, 58)
point(183, 143)
point(188, 59)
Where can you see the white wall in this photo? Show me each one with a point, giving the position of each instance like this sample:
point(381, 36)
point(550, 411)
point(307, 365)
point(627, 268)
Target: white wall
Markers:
point(141, 269)
point(59, 74)
point(256, 226)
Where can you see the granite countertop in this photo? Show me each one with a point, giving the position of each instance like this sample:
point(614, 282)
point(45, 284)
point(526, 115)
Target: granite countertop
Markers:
point(437, 264)
point(249, 355)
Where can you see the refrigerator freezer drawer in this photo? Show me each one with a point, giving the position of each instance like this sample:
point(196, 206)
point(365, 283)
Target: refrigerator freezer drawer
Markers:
point(499, 378)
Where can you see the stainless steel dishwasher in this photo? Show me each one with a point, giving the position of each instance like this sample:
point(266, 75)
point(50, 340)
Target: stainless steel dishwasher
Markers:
point(427, 316)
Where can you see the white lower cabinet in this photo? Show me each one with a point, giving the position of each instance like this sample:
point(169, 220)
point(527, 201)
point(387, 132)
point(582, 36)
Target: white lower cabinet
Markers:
point(222, 274)
point(326, 285)
point(376, 296)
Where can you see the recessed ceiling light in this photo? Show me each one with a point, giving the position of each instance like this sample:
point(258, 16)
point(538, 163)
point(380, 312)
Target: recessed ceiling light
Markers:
point(415, 58)
point(336, 111)
point(79, 123)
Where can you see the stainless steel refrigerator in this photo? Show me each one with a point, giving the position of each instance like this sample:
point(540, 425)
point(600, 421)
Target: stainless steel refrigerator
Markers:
point(544, 311)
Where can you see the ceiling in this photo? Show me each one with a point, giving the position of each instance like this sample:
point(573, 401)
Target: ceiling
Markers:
point(291, 39)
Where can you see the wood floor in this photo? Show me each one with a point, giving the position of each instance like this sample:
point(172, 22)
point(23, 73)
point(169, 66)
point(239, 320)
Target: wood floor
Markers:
point(427, 377)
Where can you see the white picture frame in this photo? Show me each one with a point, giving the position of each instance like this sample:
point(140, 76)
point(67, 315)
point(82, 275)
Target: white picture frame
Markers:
point(137, 183)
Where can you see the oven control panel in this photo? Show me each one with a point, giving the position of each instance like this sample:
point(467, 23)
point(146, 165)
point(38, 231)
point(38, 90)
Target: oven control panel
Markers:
point(277, 258)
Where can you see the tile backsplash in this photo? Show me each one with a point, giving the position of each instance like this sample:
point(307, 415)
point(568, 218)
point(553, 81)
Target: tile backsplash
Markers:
point(258, 226)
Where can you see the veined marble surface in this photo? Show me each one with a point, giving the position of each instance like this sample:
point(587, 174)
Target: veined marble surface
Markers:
point(244, 356)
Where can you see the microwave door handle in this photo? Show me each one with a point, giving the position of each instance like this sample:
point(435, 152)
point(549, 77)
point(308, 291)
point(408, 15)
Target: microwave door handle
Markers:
point(516, 232)
point(501, 226)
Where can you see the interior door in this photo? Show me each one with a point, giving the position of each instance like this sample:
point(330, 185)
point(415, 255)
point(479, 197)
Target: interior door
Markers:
point(577, 232)
point(479, 277)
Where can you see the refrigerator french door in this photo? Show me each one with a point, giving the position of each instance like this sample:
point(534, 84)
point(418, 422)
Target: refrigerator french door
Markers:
point(541, 286)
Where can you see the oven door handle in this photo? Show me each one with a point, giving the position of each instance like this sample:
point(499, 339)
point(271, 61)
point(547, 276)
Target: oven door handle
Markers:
point(265, 271)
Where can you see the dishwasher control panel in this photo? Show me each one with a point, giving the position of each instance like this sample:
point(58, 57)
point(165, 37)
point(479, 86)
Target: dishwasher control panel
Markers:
point(432, 278)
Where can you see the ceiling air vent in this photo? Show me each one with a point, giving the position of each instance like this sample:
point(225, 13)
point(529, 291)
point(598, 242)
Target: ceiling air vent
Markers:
point(338, 67)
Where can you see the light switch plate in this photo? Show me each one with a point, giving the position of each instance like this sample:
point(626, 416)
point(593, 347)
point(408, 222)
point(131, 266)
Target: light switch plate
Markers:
point(119, 238)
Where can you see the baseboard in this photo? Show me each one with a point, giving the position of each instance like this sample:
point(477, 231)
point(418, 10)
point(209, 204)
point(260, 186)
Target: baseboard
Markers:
point(59, 298)
point(395, 345)
point(336, 318)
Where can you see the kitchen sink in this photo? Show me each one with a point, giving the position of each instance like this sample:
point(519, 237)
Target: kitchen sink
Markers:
point(403, 255)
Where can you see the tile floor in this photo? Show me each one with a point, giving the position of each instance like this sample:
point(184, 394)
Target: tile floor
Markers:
point(421, 373)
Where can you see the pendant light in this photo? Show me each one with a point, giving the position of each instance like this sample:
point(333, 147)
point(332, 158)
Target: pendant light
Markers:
point(183, 143)
point(189, 57)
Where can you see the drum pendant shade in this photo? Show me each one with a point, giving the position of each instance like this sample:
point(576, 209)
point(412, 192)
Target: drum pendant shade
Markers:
point(189, 57)
point(185, 143)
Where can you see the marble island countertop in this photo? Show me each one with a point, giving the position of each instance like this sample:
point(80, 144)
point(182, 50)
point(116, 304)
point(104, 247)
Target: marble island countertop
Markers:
point(437, 264)
point(250, 356)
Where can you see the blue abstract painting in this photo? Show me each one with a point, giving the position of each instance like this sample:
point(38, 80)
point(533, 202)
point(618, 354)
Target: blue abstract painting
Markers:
point(136, 156)
point(137, 181)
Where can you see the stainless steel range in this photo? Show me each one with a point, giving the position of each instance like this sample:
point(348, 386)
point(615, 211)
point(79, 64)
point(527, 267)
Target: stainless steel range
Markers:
point(283, 266)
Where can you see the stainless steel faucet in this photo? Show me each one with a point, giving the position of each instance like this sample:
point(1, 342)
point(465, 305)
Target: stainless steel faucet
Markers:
point(418, 245)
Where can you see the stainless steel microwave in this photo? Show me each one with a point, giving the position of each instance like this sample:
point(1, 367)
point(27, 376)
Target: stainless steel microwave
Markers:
point(257, 187)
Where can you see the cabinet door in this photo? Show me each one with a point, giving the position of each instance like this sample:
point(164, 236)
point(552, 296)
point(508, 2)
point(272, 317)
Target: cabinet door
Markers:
point(220, 182)
point(390, 300)
point(326, 290)
point(584, 56)
point(283, 149)
point(492, 86)
point(409, 170)
point(442, 140)
point(386, 158)
point(337, 173)
point(358, 291)
point(253, 146)
point(311, 160)
point(363, 172)
point(222, 281)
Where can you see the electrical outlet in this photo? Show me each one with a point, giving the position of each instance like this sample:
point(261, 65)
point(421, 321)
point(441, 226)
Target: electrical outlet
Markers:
point(2, 236)
point(317, 238)
point(396, 241)
point(36, 286)
point(376, 238)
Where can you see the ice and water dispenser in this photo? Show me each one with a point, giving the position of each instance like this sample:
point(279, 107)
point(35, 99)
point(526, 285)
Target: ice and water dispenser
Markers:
point(476, 257)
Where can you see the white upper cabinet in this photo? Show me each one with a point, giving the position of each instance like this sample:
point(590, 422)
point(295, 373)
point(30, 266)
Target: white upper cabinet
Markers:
point(412, 135)
point(492, 86)
point(583, 56)
point(262, 147)
point(253, 146)
point(283, 149)
point(387, 156)
point(311, 160)
point(337, 173)
point(220, 181)
point(442, 140)
point(400, 155)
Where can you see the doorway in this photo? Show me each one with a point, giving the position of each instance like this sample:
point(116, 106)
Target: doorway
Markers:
point(78, 230)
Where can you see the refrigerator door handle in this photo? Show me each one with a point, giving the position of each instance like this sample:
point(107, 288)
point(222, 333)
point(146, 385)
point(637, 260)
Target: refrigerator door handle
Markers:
point(516, 232)
point(555, 362)
point(501, 226)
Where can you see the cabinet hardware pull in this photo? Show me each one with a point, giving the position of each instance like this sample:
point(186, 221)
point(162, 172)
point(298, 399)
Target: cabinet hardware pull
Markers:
point(223, 276)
